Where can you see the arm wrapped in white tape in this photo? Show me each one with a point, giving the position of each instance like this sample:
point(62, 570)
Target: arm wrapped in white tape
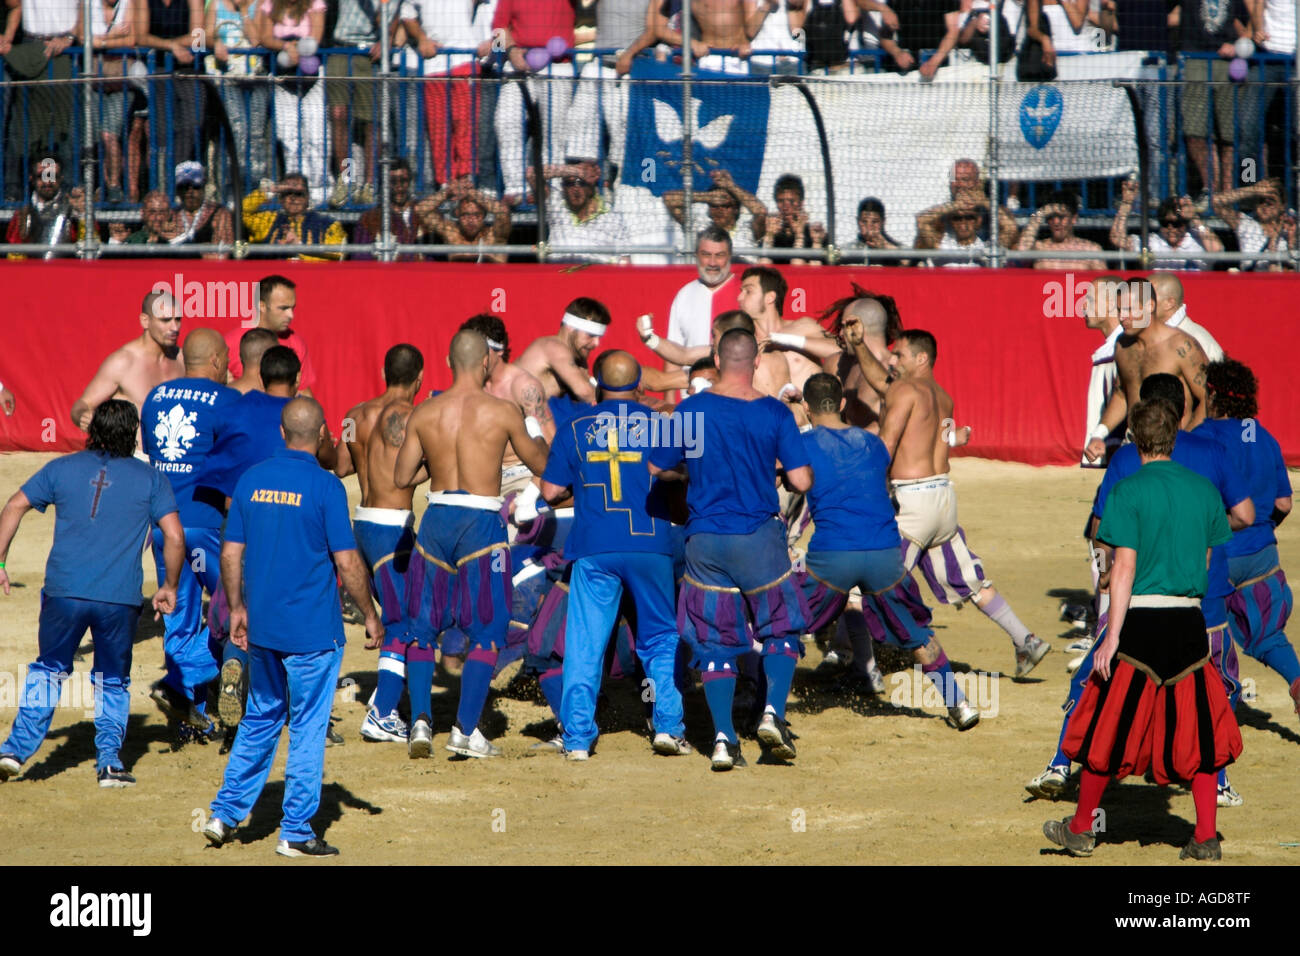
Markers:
point(526, 504)
point(533, 427)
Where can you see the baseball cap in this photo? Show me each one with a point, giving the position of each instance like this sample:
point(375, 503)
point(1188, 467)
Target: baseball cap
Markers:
point(190, 173)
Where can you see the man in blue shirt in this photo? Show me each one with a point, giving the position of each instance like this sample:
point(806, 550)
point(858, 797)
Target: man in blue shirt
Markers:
point(105, 501)
point(620, 540)
point(1260, 602)
point(1208, 459)
point(738, 587)
point(178, 418)
point(855, 543)
point(288, 529)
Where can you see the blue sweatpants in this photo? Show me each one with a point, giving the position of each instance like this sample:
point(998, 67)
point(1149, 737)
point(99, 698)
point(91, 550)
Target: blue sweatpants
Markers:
point(63, 622)
point(596, 587)
point(299, 688)
point(188, 651)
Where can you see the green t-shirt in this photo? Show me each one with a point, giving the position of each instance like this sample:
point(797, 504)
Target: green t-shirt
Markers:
point(1169, 515)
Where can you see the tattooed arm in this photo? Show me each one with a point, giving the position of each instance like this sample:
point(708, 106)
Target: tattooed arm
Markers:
point(1192, 363)
point(531, 399)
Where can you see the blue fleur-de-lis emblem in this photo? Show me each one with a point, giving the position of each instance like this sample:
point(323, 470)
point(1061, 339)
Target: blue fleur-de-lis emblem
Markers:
point(1040, 115)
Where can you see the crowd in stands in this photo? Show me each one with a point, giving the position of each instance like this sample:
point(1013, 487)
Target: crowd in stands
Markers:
point(315, 132)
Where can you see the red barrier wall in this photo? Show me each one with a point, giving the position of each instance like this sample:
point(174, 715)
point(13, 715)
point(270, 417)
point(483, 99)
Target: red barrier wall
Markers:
point(1018, 376)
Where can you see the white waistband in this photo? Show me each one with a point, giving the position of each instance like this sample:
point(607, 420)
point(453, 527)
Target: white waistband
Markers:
point(514, 471)
point(919, 484)
point(561, 513)
point(396, 517)
point(1163, 600)
point(479, 502)
point(529, 570)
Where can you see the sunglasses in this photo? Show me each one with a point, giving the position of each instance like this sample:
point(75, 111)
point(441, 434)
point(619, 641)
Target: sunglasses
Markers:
point(570, 181)
point(294, 193)
point(965, 217)
point(191, 186)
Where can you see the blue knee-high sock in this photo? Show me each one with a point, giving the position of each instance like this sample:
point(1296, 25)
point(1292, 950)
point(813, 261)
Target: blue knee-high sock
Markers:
point(388, 692)
point(1282, 658)
point(475, 681)
point(778, 668)
point(719, 692)
point(420, 667)
point(940, 672)
point(552, 684)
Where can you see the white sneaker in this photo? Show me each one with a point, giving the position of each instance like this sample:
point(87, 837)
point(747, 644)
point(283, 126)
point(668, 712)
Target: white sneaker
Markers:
point(553, 746)
point(1050, 784)
point(391, 728)
point(421, 740)
point(1082, 644)
point(963, 716)
point(671, 746)
point(473, 745)
point(1075, 663)
point(576, 755)
point(876, 677)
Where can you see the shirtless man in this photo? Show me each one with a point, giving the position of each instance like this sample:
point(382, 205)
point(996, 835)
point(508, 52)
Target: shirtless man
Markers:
point(917, 429)
point(252, 346)
point(1149, 345)
point(469, 227)
point(513, 384)
point(876, 325)
point(139, 366)
point(384, 527)
point(718, 24)
point(403, 373)
point(463, 571)
point(804, 342)
point(559, 361)
point(1061, 212)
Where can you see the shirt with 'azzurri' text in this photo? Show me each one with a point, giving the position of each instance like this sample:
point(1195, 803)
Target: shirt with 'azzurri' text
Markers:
point(176, 422)
point(291, 515)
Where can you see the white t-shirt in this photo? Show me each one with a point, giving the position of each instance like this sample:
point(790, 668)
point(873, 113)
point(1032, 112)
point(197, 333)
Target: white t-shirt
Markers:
point(1089, 39)
point(1279, 24)
point(450, 25)
point(1251, 238)
point(1158, 245)
point(690, 320)
point(774, 34)
point(605, 229)
point(949, 241)
point(48, 18)
point(1101, 385)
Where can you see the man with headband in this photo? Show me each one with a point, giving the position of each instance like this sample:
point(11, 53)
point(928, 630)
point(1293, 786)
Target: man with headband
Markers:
point(620, 542)
point(559, 361)
point(462, 576)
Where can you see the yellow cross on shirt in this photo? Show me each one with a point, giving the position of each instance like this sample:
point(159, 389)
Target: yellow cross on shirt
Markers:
point(615, 458)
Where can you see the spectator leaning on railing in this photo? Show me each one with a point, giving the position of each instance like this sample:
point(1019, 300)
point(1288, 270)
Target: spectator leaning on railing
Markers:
point(967, 190)
point(199, 220)
point(871, 230)
point(600, 100)
point(353, 103)
point(577, 216)
point(789, 228)
point(1268, 230)
point(1213, 28)
point(450, 97)
point(294, 222)
point(725, 200)
point(777, 25)
point(469, 227)
point(229, 24)
point(1181, 230)
point(112, 28)
point(1060, 213)
point(923, 25)
point(404, 220)
point(299, 101)
point(169, 26)
point(49, 27)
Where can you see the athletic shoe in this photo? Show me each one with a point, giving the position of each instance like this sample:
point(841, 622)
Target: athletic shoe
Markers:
point(775, 734)
point(671, 746)
point(1074, 663)
point(1082, 644)
point(475, 745)
point(332, 737)
point(727, 755)
point(9, 766)
point(313, 847)
point(877, 678)
point(553, 746)
point(217, 832)
point(1076, 614)
point(175, 706)
point(1050, 784)
point(577, 755)
point(1209, 850)
point(115, 777)
point(230, 698)
point(390, 728)
point(1229, 797)
point(1078, 844)
point(1027, 658)
point(963, 716)
point(420, 743)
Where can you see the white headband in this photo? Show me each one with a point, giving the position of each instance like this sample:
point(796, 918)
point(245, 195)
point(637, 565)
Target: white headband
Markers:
point(583, 325)
point(494, 345)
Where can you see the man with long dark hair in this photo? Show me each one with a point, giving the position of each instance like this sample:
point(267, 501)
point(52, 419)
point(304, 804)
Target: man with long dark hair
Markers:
point(105, 502)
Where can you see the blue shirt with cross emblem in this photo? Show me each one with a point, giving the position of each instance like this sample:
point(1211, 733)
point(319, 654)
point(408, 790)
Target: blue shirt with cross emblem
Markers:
point(603, 455)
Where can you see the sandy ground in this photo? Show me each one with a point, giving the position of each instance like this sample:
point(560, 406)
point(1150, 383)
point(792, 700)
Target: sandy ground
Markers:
point(872, 783)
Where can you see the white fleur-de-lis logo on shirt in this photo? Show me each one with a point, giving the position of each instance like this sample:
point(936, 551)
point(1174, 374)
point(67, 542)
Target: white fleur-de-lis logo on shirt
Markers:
point(668, 125)
point(175, 432)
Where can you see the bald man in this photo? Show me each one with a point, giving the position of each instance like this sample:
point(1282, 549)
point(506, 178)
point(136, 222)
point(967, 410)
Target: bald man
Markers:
point(879, 323)
point(621, 541)
point(738, 588)
point(252, 346)
point(463, 573)
point(133, 370)
point(403, 374)
point(1152, 343)
point(177, 421)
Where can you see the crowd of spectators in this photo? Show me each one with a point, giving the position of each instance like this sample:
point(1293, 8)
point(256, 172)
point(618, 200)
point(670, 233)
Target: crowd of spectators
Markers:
point(321, 118)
